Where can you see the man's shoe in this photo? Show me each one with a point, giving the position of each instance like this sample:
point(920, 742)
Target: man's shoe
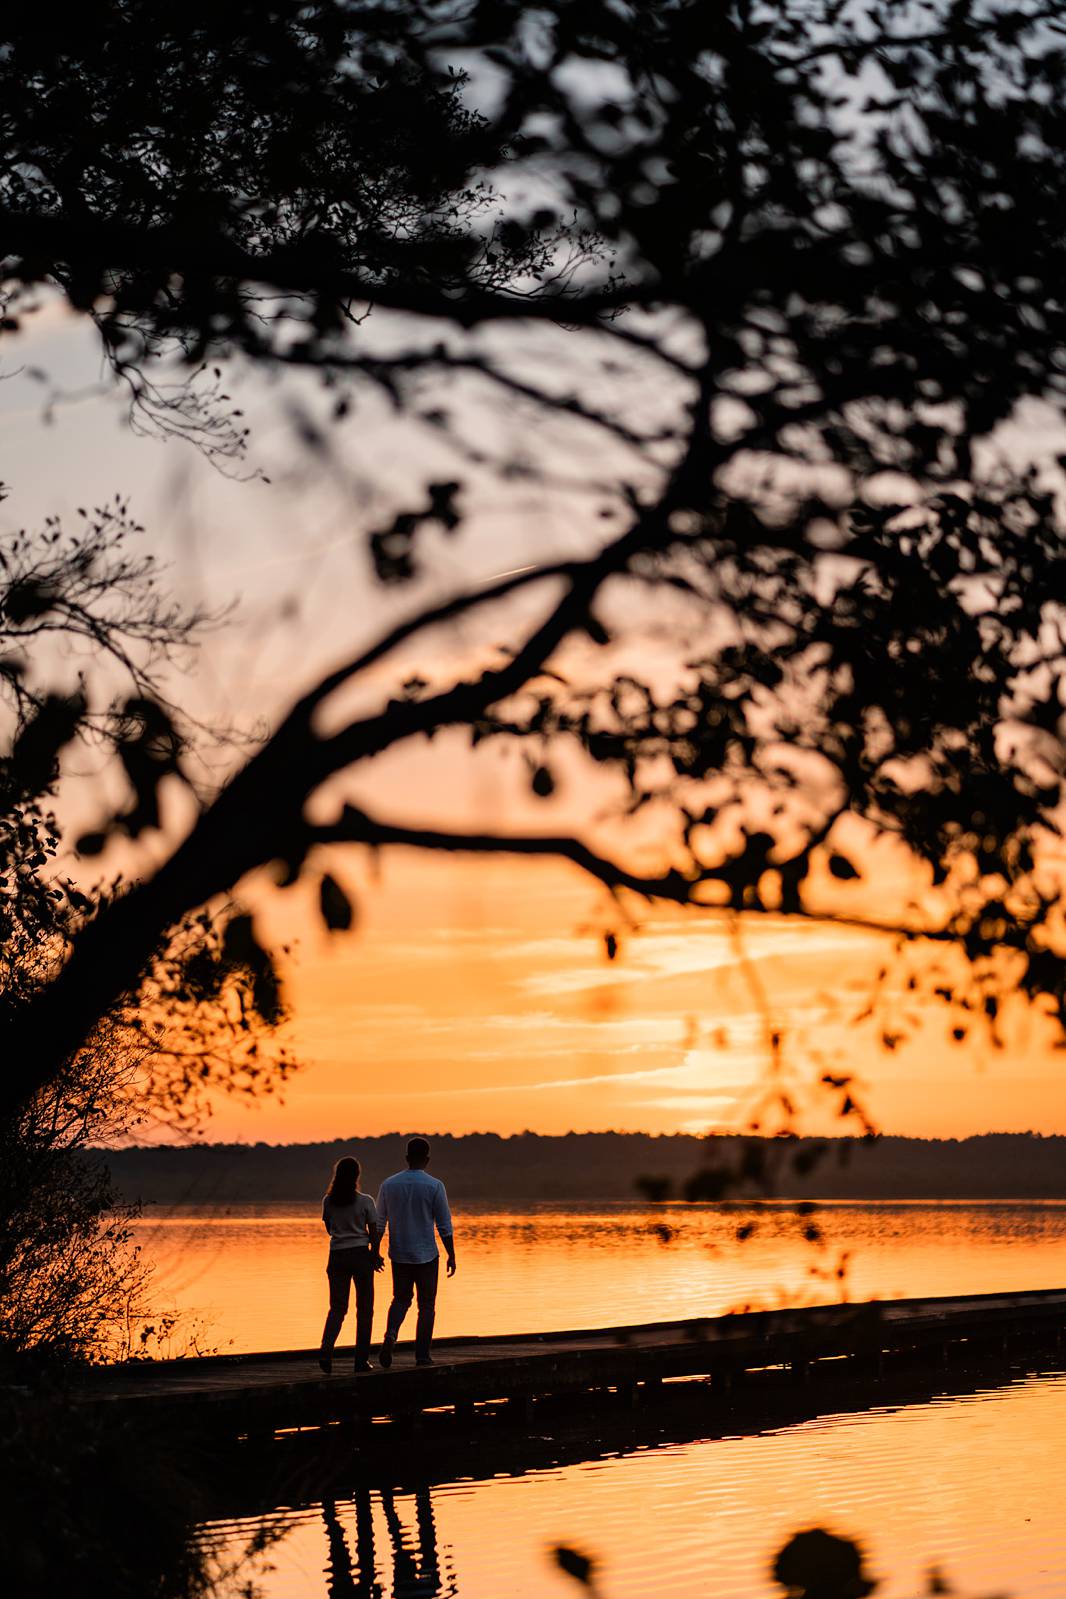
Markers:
point(385, 1356)
point(325, 1363)
point(424, 1360)
point(362, 1365)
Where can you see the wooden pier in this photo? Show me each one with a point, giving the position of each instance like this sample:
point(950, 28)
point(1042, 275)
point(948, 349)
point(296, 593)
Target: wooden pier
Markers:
point(257, 1395)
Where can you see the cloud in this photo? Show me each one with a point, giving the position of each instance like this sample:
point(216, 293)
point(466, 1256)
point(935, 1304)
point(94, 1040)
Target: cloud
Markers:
point(629, 1031)
point(682, 954)
point(676, 1075)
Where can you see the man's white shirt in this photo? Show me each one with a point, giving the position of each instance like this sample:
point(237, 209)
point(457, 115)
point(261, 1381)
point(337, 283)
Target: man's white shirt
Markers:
point(414, 1207)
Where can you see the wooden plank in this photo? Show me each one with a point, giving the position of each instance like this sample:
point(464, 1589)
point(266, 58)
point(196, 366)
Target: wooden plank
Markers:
point(284, 1388)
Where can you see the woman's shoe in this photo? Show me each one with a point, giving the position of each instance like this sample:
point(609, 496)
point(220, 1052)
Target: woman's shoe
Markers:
point(325, 1362)
point(385, 1355)
point(362, 1365)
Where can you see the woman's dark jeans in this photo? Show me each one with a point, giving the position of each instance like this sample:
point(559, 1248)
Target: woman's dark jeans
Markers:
point(345, 1267)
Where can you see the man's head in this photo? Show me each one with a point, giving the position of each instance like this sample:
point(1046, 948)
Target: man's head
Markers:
point(417, 1153)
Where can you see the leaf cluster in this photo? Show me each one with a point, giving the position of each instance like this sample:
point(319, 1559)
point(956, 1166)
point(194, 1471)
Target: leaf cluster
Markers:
point(828, 234)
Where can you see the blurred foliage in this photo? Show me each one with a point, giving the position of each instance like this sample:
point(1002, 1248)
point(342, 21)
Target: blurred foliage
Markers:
point(72, 1287)
point(825, 238)
point(91, 1505)
point(816, 1564)
point(91, 609)
point(171, 167)
point(778, 275)
point(813, 1564)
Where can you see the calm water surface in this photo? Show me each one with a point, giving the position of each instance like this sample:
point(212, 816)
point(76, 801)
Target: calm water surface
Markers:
point(972, 1482)
point(250, 1278)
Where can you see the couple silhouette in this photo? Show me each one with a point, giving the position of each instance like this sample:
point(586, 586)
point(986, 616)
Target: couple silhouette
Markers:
point(412, 1207)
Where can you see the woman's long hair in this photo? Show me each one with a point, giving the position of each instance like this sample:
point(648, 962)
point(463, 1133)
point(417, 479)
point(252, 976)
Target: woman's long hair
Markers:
point(344, 1184)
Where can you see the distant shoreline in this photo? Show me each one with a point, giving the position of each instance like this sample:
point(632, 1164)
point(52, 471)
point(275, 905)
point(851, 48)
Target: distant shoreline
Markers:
point(597, 1166)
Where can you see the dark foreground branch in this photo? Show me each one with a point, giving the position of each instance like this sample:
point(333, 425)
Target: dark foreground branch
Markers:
point(354, 826)
point(673, 886)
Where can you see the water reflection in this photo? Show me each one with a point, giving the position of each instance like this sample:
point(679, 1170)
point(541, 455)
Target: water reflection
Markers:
point(413, 1574)
point(256, 1275)
point(690, 1498)
point(697, 1495)
point(344, 1582)
point(415, 1564)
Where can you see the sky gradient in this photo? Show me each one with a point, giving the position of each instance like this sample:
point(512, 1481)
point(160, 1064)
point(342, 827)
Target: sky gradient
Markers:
point(476, 994)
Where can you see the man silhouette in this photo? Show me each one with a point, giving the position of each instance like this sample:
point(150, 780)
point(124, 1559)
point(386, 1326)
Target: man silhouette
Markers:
point(411, 1205)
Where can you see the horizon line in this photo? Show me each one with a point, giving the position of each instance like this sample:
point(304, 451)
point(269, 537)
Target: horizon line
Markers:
point(607, 1132)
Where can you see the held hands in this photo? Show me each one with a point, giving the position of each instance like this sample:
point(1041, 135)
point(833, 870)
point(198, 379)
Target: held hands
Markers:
point(379, 1263)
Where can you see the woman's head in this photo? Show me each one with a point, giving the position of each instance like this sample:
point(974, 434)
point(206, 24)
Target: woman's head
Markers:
point(344, 1184)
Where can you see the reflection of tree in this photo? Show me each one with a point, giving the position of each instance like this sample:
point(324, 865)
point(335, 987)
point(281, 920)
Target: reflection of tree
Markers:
point(415, 1564)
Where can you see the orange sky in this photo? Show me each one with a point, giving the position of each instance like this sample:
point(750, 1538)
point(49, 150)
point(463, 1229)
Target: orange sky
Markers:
point(476, 995)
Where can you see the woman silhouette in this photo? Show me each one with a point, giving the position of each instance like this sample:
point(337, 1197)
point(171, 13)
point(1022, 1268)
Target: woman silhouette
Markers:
point(352, 1223)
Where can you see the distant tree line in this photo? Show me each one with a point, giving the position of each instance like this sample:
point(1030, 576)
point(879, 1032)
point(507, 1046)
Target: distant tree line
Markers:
point(605, 1166)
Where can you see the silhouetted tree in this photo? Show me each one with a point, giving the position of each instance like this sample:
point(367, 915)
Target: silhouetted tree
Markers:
point(97, 1504)
point(71, 1285)
point(205, 178)
point(762, 284)
point(86, 628)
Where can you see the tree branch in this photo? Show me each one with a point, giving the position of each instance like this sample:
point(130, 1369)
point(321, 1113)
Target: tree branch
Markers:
point(384, 372)
point(259, 815)
point(37, 241)
point(356, 826)
point(447, 611)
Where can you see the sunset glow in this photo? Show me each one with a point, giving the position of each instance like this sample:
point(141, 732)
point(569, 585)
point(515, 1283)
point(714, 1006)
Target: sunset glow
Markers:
point(478, 996)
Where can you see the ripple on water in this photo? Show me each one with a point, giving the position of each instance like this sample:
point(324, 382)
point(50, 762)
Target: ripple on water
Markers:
point(255, 1276)
point(969, 1482)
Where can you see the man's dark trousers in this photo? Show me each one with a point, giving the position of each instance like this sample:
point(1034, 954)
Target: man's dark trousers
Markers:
point(407, 1281)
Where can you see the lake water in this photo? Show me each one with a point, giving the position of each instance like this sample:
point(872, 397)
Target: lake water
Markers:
point(968, 1479)
point(971, 1484)
point(254, 1278)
